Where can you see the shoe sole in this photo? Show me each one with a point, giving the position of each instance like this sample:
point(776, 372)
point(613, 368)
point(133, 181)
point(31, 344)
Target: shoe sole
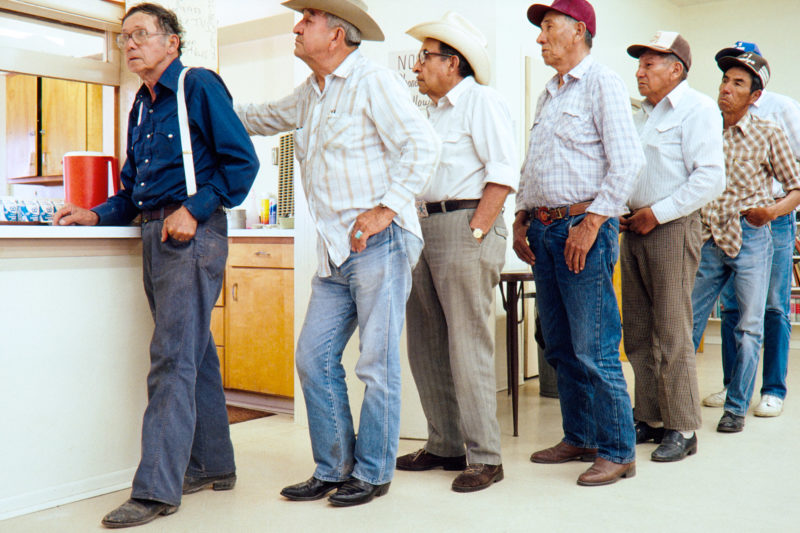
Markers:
point(768, 414)
point(630, 473)
point(729, 430)
point(713, 404)
point(309, 498)
point(497, 478)
point(119, 525)
point(449, 468)
point(383, 489)
point(222, 484)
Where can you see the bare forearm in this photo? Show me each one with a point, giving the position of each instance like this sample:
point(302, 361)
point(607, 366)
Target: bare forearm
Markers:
point(786, 204)
point(492, 201)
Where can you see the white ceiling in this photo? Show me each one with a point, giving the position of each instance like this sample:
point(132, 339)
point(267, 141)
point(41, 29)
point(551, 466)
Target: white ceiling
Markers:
point(684, 3)
point(235, 11)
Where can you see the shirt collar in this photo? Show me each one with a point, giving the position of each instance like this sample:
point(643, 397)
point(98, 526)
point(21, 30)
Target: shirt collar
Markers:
point(168, 79)
point(760, 100)
point(674, 97)
point(347, 65)
point(745, 123)
point(458, 91)
point(577, 72)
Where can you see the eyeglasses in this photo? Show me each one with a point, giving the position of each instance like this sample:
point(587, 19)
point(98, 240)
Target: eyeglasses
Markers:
point(139, 37)
point(423, 55)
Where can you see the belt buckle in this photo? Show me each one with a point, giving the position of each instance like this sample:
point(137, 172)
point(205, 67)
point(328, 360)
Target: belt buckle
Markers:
point(543, 216)
point(422, 211)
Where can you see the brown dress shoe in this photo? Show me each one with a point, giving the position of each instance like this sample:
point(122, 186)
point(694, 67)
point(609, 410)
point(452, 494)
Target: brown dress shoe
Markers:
point(423, 460)
point(477, 476)
point(563, 452)
point(604, 472)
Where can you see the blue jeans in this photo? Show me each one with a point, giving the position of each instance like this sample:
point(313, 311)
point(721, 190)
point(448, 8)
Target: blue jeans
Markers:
point(185, 428)
point(368, 290)
point(777, 328)
point(749, 272)
point(581, 328)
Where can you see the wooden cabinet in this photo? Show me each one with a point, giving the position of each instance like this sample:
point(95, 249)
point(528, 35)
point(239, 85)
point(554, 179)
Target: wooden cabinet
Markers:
point(46, 118)
point(256, 344)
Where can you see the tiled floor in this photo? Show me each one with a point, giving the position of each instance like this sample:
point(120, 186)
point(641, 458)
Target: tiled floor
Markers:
point(746, 482)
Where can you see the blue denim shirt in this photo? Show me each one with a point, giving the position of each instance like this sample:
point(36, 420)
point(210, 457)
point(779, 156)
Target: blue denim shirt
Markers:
point(152, 177)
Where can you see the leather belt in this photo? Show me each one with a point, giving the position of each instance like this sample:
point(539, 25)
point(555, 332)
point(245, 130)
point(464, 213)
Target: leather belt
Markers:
point(547, 215)
point(148, 215)
point(450, 205)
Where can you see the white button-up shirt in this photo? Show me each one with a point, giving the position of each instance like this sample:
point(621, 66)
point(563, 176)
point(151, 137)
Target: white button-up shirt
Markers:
point(360, 142)
point(583, 144)
point(785, 112)
point(682, 141)
point(478, 145)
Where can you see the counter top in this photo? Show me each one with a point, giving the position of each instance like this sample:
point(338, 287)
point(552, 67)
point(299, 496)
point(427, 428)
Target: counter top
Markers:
point(112, 232)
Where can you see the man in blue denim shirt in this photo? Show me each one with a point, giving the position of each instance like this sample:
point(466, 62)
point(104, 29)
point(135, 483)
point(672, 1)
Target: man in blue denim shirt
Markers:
point(186, 443)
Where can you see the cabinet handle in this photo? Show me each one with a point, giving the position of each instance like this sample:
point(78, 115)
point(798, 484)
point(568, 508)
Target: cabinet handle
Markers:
point(235, 292)
point(264, 254)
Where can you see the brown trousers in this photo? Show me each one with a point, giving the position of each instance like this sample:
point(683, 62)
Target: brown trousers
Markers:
point(658, 273)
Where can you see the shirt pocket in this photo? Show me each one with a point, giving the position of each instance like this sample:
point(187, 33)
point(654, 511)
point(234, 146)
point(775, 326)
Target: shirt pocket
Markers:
point(747, 164)
point(454, 143)
point(300, 143)
point(575, 127)
point(167, 144)
point(337, 133)
point(667, 142)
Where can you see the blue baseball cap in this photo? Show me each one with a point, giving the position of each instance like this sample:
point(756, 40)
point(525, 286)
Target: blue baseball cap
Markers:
point(738, 48)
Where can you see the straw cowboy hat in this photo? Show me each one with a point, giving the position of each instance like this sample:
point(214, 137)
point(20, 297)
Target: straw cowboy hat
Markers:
point(458, 32)
point(352, 11)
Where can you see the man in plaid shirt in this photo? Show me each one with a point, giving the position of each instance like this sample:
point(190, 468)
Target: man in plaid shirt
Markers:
point(739, 243)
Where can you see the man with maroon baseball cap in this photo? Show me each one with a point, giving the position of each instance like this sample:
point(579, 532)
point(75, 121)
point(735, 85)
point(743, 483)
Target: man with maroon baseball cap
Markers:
point(583, 159)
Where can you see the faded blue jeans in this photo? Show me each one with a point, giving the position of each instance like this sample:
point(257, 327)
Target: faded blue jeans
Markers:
point(777, 327)
point(750, 271)
point(185, 427)
point(368, 290)
point(582, 332)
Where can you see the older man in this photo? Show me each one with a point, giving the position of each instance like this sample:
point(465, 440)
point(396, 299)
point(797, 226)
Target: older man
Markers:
point(365, 152)
point(661, 248)
point(785, 112)
point(739, 244)
point(582, 163)
point(186, 443)
point(450, 344)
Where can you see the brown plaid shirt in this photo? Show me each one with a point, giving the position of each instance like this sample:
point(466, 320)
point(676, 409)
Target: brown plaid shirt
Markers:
point(756, 150)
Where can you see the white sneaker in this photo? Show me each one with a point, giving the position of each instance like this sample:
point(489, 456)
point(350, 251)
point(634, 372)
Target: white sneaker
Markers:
point(717, 399)
point(769, 406)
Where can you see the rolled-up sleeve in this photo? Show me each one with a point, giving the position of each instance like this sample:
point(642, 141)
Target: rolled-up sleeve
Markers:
point(494, 141)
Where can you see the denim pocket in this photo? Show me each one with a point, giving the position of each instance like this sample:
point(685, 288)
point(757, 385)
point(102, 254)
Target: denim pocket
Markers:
point(212, 245)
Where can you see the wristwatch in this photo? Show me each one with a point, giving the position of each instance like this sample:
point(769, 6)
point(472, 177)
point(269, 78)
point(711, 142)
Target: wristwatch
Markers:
point(478, 233)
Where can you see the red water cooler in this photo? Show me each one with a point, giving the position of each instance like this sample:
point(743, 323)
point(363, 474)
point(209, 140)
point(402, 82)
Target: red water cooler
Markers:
point(89, 178)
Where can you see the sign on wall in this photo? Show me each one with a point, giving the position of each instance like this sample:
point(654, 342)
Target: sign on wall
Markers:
point(403, 63)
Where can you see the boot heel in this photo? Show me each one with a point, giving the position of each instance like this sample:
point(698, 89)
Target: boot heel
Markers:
point(383, 489)
point(225, 484)
point(630, 473)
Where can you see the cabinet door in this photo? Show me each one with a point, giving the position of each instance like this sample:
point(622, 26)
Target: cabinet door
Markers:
point(259, 312)
point(63, 122)
point(20, 126)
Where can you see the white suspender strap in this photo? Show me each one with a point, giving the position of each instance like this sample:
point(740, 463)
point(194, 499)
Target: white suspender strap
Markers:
point(186, 139)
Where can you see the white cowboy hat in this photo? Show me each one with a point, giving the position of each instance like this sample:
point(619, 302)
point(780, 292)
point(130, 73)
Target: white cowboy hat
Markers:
point(456, 31)
point(352, 11)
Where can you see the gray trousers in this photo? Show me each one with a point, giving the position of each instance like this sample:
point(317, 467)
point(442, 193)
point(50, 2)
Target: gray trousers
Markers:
point(658, 273)
point(450, 348)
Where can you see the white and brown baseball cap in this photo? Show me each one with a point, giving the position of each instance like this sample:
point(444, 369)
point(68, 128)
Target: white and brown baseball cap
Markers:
point(665, 42)
point(749, 61)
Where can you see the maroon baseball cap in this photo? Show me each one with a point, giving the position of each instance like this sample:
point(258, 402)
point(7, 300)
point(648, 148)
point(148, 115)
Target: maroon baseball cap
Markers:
point(580, 10)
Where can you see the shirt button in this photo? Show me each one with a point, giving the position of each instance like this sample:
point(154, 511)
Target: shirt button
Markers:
point(169, 136)
point(149, 110)
point(141, 184)
point(140, 202)
point(148, 135)
point(146, 160)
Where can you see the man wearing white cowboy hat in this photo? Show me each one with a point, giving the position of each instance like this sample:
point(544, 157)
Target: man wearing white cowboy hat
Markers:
point(365, 152)
point(450, 346)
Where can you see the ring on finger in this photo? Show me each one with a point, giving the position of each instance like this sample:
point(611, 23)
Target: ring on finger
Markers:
point(358, 234)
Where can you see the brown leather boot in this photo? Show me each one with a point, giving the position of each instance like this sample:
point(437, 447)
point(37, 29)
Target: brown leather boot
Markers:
point(563, 452)
point(477, 476)
point(604, 472)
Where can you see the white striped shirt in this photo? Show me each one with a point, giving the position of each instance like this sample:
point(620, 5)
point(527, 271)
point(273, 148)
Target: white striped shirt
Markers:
point(360, 142)
point(785, 112)
point(478, 145)
point(583, 144)
point(682, 141)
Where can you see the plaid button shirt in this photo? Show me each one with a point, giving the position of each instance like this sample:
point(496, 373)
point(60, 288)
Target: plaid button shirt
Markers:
point(756, 151)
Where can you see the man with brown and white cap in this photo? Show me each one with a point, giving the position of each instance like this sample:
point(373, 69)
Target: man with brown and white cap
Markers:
point(450, 346)
point(681, 133)
point(365, 152)
point(739, 243)
point(583, 159)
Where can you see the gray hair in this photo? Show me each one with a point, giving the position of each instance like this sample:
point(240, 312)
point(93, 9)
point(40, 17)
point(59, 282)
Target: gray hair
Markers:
point(672, 58)
point(352, 35)
point(587, 37)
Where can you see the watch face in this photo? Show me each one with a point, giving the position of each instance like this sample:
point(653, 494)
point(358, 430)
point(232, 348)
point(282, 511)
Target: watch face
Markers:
point(477, 233)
